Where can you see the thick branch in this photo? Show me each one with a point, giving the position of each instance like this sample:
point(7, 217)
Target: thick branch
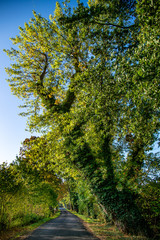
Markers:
point(45, 68)
point(113, 25)
point(67, 103)
point(48, 101)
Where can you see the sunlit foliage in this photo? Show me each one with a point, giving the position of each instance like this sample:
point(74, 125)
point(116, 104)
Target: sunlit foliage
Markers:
point(90, 82)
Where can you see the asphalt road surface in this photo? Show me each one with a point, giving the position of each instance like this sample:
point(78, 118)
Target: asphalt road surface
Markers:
point(66, 226)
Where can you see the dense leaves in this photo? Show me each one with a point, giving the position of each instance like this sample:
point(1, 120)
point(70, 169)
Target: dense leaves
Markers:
point(90, 82)
point(25, 196)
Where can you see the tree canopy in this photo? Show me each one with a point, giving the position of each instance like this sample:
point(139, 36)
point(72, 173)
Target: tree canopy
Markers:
point(89, 79)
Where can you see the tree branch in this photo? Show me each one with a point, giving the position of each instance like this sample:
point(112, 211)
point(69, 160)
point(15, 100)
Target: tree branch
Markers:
point(111, 24)
point(45, 68)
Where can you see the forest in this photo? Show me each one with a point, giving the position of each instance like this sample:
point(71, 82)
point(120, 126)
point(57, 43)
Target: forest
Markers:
point(88, 78)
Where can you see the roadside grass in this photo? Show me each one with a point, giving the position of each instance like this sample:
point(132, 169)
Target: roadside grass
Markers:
point(20, 233)
point(105, 231)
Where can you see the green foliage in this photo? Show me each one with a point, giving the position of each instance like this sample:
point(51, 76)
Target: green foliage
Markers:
point(10, 184)
point(149, 201)
point(90, 80)
point(25, 198)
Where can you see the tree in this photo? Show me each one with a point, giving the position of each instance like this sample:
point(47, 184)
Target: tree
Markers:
point(10, 184)
point(34, 162)
point(81, 75)
point(141, 102)
point(28, 189)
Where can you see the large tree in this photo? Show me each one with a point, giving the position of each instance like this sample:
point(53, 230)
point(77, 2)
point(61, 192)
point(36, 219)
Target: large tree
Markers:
point(83, 80)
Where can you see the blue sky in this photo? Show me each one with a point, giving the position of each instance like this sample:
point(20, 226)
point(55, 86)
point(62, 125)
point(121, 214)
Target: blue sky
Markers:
point(14, 13)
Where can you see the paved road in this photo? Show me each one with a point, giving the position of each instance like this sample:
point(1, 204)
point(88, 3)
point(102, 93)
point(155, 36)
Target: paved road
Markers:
point(66, 226)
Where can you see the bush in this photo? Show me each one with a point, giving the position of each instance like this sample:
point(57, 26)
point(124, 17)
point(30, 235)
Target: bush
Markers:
point(31, 218)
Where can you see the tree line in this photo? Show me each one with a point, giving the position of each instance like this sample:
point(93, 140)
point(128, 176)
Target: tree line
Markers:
point(27, 194)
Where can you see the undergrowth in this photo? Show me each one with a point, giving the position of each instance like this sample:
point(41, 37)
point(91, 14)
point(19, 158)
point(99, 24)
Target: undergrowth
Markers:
point(105, 231)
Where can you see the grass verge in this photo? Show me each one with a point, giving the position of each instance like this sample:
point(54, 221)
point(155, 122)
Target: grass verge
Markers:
point(105, 231)
point(20, 233)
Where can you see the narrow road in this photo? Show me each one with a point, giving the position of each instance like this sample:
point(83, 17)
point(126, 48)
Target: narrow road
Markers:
point(66, 226)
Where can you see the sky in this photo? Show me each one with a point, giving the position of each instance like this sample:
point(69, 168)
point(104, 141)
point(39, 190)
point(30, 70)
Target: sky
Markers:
point(14, 13)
